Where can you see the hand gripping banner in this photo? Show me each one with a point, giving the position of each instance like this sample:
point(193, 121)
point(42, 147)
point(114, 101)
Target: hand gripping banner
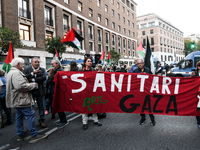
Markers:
point(116, 92)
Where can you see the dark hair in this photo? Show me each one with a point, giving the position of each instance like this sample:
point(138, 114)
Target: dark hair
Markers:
point(73, 66)
point(2, 73)
point(198, 64)
point(86, 58)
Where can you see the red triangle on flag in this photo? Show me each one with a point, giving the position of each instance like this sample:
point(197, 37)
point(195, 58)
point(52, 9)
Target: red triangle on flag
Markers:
point(9, 57)
point(140, 47)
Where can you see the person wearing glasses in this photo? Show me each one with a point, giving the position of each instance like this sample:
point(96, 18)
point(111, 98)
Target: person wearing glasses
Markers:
point(35, 73)
point(142, 69)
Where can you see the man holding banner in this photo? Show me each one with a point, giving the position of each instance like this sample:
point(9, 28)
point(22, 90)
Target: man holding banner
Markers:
point(142, 69)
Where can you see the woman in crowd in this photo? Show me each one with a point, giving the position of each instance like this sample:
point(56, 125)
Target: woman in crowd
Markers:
point(73, 66)
point(3, 101)
point(197, 73)
point(87, 66)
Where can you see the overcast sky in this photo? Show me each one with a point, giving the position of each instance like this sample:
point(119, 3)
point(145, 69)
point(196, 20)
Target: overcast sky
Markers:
point(183, 14)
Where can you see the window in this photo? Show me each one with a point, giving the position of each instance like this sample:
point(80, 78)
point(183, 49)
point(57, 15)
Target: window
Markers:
point(113, 13)
point(152, 49)
point(124, 42)
point(161, 58)
point(128, 23)
point(132, 25)
point(133, 46)
point(112, 1)
point(79, 27)
point(123, 20)
point(119, 41)
point(113, 25)
point(132, 6)
point(107, 49)
point(133, 34)
point(132, 16)
point(144, 42)
point(106, 8)
point(91, 46)
point(113, 39)
point(48, 17)
point(65, 22)
point(99, 33)
point(123, 9)
point(143, 26)
point(151, 31)
point(128, 13)
point(124, 30)
point(99, 48)
point(119, 28)
point(49, 34)
point(106, 22)
point(66, 1)
point(160, 41)
point(107, 38)
point(151, 24)
point(129, 46)
point(99, 17)
point(98, 3)
point(90, 12)
point(90, 31)
point(143, 32)
point(118, 5)
point(80, 7)
point(119, 17)
point(152, 41)
point(129, 32)
point(24, 32)
point(24, 9)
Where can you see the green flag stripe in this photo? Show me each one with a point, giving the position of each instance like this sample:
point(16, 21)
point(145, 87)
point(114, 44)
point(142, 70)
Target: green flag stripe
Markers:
point(6, 67)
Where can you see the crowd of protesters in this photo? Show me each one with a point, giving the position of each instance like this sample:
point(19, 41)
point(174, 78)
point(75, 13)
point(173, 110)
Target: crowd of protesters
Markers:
point(22, 87)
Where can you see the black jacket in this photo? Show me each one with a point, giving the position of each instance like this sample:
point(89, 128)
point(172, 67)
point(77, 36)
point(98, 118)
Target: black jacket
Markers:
point(138, 70)
point(39, 79)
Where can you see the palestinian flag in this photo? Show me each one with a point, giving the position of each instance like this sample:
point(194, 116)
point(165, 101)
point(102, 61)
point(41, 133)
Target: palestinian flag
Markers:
point(102, 57)
point(9, 58)
point(56, 55)
point(73, 39)
point(140, 50)
point(149, 59)
point(109, 59)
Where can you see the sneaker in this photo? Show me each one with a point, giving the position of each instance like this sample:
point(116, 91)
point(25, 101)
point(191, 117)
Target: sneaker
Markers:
point(62, 125)
point(20, 138)
point(38, 137)
point(46, 112)
point(142, 121)
point(153, 123)
point(98, 123)
point(85, 126)
point(198, 125)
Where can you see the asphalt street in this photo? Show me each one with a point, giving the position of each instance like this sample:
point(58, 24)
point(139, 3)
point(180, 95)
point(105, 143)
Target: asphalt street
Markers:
point(119, 132)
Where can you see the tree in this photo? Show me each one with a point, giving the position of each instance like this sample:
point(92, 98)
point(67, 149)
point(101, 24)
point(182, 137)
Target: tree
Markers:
point(7, 35)
point(187, 44)
point(55, 42)
point(115, 56)
point(198, 45)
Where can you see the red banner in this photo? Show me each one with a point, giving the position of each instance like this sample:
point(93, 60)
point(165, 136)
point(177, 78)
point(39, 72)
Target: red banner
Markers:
point(116, 92)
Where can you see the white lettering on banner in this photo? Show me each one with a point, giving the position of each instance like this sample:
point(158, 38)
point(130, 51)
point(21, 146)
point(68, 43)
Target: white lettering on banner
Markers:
point(165, 85)
point(143, 77)
point(155, 85)
point(99, 77)
point(129, 83)
point(176, 86)
point(114, 82)
point(74, 77)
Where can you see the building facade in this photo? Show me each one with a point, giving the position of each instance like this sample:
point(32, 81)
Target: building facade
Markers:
point(104, 25)
point(166, 41)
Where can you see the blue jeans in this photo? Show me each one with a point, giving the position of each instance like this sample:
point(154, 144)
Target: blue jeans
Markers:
point(40, 102)
point(29, 114)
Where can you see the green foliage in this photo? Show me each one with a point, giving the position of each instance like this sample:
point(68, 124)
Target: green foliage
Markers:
point(198, 45)
point(7, 35)
point(55, 42)
point(115, 56)
point(188, 47)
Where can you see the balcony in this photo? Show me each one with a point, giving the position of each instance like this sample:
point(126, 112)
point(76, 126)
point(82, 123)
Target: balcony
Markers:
point(24, 13)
